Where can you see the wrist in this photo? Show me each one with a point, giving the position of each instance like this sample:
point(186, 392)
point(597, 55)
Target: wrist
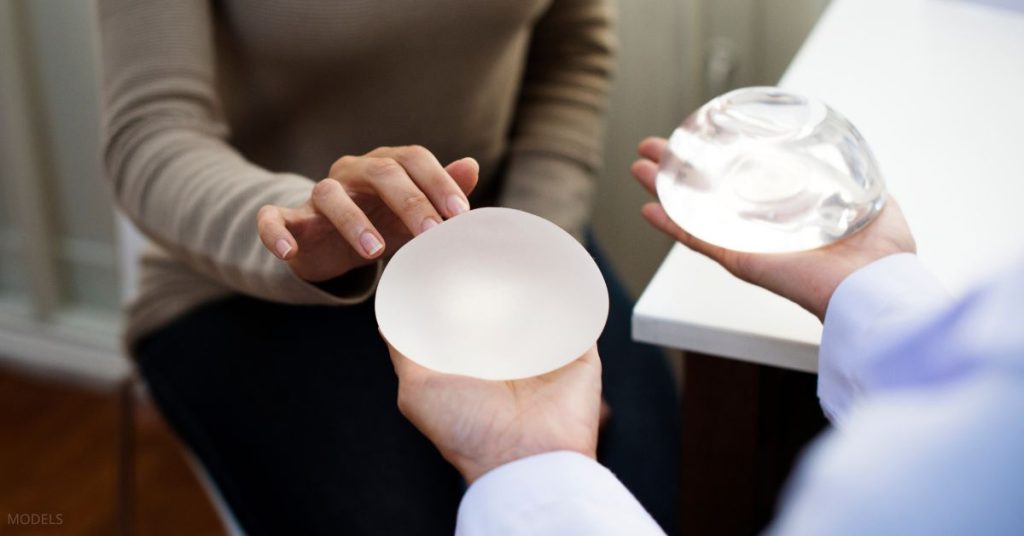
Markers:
point(826, 288)
point(841, 273)
point(473, 468)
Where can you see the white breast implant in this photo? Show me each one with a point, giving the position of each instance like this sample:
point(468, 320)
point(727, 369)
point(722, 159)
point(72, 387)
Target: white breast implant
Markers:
point(767, 171)
point(494, 293)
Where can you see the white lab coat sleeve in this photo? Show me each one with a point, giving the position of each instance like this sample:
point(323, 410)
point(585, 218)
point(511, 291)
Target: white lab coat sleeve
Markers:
point(556, 493)
point(870, 310)
point(931, 436)
point(942, 459)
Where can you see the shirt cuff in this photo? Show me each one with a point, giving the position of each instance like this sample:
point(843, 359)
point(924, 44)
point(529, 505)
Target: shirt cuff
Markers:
point(351, 288)
point(557, 493)
point(867, 311)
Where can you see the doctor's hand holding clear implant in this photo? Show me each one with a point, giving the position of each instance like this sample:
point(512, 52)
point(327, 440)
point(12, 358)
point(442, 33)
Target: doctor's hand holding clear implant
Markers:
point(808, 277)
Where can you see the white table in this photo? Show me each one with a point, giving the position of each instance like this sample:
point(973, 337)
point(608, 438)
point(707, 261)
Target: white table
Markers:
point(937, 89)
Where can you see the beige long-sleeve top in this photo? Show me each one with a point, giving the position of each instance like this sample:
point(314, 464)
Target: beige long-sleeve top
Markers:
point(215, 108)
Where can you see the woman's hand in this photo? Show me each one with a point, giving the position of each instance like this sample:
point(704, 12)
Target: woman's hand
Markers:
point(478, 425)
point(367, 206)
point(808, 277)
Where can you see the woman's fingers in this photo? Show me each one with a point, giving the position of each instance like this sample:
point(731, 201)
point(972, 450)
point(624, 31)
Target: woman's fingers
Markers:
point(273, 231)
point(330, 199)
point(466, 173)
point(652, 148)
point(426, 172)
point(389, 181)
point(411, 183)
point(406, 184)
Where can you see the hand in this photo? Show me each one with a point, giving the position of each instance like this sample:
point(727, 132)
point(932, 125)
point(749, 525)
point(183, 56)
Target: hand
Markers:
point(478, 425)
point(808, 277)
point(368, 205)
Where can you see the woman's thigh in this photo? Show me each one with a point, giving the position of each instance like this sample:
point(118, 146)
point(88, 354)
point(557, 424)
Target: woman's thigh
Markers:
point(292, 412)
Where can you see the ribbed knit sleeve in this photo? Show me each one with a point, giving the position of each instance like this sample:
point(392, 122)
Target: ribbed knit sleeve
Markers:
point(170, 167)
point(557, 141)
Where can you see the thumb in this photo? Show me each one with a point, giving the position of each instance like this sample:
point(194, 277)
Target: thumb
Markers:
point(466, 173)
point(405, 368)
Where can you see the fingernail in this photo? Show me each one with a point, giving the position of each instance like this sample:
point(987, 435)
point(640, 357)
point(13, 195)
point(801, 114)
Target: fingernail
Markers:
point(370, 243)
point(283, 247)
point(428, 224)
point(457, 205)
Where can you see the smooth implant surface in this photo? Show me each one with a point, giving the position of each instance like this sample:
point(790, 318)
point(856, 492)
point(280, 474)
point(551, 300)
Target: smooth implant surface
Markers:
point(494, 293)
point(765, 170)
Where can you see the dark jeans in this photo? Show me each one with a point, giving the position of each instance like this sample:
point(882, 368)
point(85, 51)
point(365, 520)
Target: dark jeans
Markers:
point(292, 412)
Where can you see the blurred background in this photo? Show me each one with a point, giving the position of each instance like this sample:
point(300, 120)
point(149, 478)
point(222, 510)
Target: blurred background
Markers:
point(68, 435)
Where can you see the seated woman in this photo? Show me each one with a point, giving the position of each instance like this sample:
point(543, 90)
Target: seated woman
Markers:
point(276, 153)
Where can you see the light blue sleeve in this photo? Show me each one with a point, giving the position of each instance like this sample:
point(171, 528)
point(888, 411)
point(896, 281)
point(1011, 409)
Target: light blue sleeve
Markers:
point(948, 460)
point(557, 494)
point(929, 402)
point(871, 308)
